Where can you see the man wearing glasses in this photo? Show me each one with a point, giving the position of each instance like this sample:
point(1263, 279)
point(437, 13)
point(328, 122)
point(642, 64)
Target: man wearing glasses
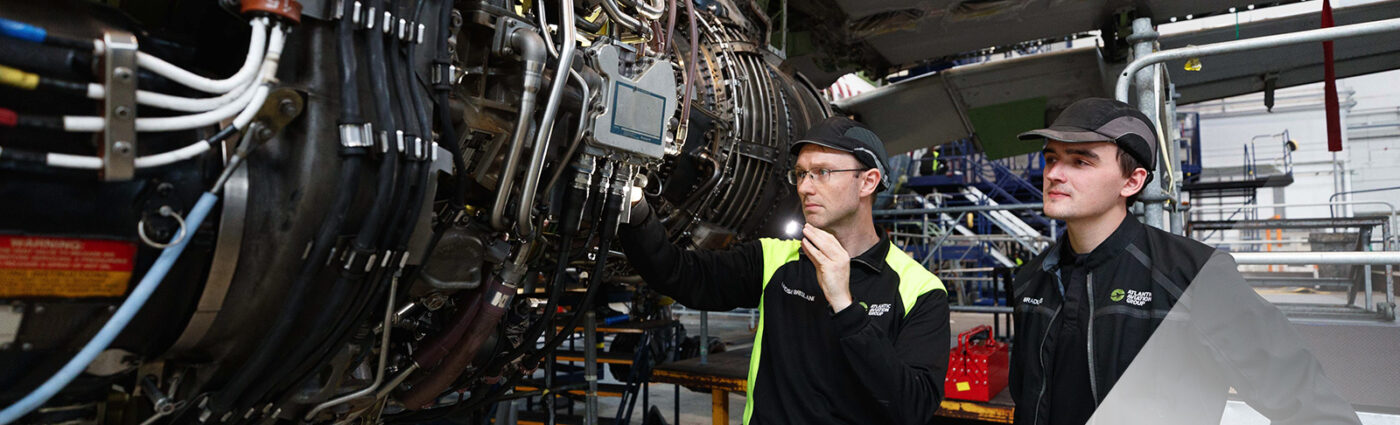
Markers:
point(851, 329)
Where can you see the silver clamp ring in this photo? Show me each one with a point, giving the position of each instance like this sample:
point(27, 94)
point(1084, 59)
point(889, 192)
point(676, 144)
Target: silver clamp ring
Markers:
point(165, 211)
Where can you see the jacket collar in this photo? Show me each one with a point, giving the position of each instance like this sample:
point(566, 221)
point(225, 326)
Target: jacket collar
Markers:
point(1128, 231)
point(874, 258)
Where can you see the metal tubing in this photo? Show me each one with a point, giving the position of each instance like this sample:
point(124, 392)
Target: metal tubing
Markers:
point(650, 11)
point(590, 367)
point(1144, 39)
point(970, 208)
point(532, 50)
point(1367, 270)
point(383, 358)
point(622, 19)
point(704, 337)
point(551, 110)
point(1306, 258)
point(1177, 214)
point(1301, 37)
point(979, 309)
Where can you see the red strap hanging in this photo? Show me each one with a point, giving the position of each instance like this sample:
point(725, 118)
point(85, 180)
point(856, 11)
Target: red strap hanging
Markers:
point(1334, 115)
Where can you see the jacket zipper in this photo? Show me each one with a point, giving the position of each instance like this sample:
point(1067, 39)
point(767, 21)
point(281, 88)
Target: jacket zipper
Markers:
point(1093, 382)
point(1040, 352)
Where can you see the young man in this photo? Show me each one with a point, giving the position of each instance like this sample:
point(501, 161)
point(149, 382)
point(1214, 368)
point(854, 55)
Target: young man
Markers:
point(851, 330)
point(1112, 292)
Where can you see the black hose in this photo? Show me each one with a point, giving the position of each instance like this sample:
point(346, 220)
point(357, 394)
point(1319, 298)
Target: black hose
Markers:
point(612, 208)
point(291, 306)
point(349, 68)
point(443, 88)
point(396, 236)
point(363, 250)
point(420, 104)
point(576, 199)
point(384, 110)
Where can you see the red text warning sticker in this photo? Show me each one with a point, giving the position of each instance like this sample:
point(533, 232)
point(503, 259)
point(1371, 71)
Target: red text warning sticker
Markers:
point(36, 266)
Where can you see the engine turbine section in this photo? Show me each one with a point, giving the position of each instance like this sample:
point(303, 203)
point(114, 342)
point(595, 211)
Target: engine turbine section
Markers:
point(381, 211)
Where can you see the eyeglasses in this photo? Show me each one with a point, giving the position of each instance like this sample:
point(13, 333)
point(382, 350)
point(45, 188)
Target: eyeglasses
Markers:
point(795, 176)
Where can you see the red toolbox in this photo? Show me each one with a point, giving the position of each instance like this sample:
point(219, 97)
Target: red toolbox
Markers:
point(977, 372)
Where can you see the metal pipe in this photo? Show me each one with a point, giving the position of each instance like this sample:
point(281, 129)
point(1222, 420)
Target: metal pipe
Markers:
point(383, 359)
point(650, 11)
point(979, 309)
point(590, 366)
point(551, 109)
point(531, 48)
point(1366, 270)
point(1144, 39)
point(704, 337)
point(394, 383)
point(583, 115)
point(1301, 37)
point(622, 19)
point(1307, 258)
point(969, 208)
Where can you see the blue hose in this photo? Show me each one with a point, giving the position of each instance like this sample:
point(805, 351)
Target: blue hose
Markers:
point(22, 31)
point(119, 320)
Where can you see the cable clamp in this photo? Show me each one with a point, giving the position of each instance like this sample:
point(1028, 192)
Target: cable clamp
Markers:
point(354, 136)
point(384, 144)
point(367, 21)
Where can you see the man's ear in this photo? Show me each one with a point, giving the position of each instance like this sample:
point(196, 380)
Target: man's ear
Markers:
point(1135, 183)
point(869, 181)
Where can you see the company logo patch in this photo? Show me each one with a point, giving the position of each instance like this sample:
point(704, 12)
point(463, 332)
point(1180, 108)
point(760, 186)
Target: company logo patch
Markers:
point(1137, 298)
point(879, 309)
point(1032, 301)
point(798, 292)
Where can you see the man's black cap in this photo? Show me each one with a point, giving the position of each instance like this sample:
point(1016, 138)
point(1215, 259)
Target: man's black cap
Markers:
point(1097, 119)
point(847, 135)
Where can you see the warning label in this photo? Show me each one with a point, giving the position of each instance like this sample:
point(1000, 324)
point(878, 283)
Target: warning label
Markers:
point(36, 266)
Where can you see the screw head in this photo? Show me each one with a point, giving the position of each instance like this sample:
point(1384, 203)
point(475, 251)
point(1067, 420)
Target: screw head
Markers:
point(122, 148)
point(287, 107)
point(264, 133)
point(122, 73)
point(123, 112)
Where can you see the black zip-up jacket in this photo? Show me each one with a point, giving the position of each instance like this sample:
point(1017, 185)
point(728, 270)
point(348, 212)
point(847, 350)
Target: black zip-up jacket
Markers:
point(1172, 326)
point(881, 360)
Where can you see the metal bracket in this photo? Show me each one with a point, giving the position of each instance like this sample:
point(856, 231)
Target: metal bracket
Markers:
point(118, 149)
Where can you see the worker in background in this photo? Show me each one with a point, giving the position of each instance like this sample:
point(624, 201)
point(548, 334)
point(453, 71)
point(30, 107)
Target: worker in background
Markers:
point(851, 329)
point(1131, 324)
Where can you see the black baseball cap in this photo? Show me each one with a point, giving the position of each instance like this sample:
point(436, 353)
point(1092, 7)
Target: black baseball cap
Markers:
point(1097, 119)
point(847, 135)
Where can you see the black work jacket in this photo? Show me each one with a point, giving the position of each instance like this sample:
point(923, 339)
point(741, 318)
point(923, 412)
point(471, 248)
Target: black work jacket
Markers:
point(1221, 335)
point(881, 360)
